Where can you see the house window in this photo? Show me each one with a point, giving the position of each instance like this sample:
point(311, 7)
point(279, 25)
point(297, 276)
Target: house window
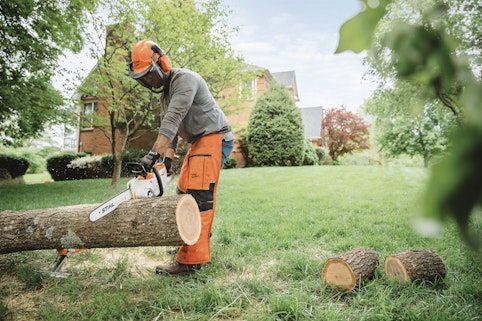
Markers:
point(88, 115)
point(247, 90)
point(70, 143)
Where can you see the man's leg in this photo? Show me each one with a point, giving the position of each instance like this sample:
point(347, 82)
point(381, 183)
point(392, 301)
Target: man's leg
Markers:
point(199, 177)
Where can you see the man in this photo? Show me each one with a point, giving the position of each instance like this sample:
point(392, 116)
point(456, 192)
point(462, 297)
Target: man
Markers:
point(191, 113)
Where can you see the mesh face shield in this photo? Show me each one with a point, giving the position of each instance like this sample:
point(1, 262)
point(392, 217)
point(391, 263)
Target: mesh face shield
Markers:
point(144, 76)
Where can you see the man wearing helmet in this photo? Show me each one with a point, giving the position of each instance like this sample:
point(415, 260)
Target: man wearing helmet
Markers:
point(190, 112)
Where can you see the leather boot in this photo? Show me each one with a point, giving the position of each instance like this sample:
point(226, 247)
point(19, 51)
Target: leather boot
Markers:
point(177, 268)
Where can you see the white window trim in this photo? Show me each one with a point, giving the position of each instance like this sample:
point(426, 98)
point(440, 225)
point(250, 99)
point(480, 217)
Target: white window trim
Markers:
point(88, 118)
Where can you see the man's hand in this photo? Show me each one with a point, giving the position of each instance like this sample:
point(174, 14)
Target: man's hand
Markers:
point(150, 159)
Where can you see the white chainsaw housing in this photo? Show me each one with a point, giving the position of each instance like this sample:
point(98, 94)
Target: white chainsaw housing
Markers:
point(153, 184)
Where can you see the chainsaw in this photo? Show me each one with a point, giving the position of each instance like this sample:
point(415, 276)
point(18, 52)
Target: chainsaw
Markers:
point(144, 184)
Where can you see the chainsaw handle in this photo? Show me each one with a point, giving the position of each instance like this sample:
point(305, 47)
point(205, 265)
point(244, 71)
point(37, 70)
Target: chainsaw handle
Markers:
point(136, 169)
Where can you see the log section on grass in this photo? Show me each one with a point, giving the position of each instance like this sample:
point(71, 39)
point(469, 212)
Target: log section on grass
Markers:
point(414, 265)
point(157, 221)
point(350, 269)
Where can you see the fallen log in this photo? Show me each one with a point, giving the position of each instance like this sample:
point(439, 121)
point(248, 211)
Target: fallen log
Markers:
point(414, 265)
point(157, 221)
point(350, 268)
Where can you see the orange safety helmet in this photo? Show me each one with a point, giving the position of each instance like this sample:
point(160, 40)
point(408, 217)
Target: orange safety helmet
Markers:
point(147, 57)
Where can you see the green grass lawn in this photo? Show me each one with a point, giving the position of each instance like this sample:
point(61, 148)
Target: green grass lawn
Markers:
point(273, 231)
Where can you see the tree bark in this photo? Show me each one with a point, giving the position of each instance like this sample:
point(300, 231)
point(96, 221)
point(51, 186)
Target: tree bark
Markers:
point(157, 221)
point(350, 269)
point(414, 265)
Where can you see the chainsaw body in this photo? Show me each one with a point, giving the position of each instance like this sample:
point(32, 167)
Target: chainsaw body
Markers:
point(148, 184)
point(145, 184)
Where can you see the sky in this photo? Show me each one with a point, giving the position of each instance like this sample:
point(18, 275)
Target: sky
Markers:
point(302, 36)
point(289, 35)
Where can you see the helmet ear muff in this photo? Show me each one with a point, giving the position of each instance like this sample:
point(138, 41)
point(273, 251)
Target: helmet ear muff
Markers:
point(165, 63)
point(163, 59)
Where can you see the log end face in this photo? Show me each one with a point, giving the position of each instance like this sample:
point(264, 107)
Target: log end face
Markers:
point(415, 265)
point(395, 270)
point(338, 274)
point(188, 219)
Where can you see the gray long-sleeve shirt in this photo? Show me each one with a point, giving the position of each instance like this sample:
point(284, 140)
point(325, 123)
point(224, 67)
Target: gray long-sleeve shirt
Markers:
point(190, 110)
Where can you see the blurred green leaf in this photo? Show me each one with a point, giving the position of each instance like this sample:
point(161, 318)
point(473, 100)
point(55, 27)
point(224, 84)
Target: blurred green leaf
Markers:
point(455, 187)
point(356, 34)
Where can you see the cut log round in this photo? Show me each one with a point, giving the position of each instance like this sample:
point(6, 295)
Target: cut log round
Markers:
point(414, 265)
point(157, 221)
point(350, 268)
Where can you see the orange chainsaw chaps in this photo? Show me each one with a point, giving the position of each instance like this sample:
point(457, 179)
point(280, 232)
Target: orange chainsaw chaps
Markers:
point(199, 177)
point(201, 251)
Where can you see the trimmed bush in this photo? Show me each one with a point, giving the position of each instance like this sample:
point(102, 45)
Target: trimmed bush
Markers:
point(320, 152)
point(133, 155)
point(242, 141)
point(275, 129)
point(58, 168)
point(13, 165)
point(37, 162)
point(310, 157)
point(88, 167)
point(230, 163)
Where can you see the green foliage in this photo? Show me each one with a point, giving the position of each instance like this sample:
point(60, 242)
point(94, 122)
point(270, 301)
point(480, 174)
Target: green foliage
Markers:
point(15, 166)
point(132, 155)
point(427, 52)
point(35, 156)
point(230, 163)
point(196, 36)
point(88, 167)
point(30, 276)
point(275, 129)
point(72, 166)
point(320, 153)
point(33, 34)
point(36, 163)
point(242, 143)
point(458, 192)
point(309, 155)
point(58, 166)
point(364, 23)
point(403, 130)
point(4, 312)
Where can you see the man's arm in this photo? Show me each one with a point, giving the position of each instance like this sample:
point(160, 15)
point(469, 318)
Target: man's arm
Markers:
point(161, 145)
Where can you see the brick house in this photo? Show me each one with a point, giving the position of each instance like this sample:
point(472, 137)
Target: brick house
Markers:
point(88, 138)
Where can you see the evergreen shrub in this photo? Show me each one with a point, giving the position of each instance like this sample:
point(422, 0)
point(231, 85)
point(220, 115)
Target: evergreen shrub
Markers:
point(310, 157)
point(58, 168)
point(13, 166)
point(275, 129)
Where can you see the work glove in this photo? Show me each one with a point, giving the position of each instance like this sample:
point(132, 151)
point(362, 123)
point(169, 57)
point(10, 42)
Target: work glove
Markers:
point(150, 160)
point(168, 164)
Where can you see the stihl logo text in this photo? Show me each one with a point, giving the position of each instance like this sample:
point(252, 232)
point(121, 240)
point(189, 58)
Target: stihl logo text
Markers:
point(107, 207)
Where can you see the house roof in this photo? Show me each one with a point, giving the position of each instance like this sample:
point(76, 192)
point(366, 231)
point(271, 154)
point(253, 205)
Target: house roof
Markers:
point(287, 78)
point(262, 70)
point(311, 117)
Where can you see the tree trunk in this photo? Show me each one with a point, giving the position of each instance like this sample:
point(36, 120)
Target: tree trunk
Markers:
point(350, 269)
point(157, 221)
point(426, 159)
point(116, 173)
point(413, 265)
